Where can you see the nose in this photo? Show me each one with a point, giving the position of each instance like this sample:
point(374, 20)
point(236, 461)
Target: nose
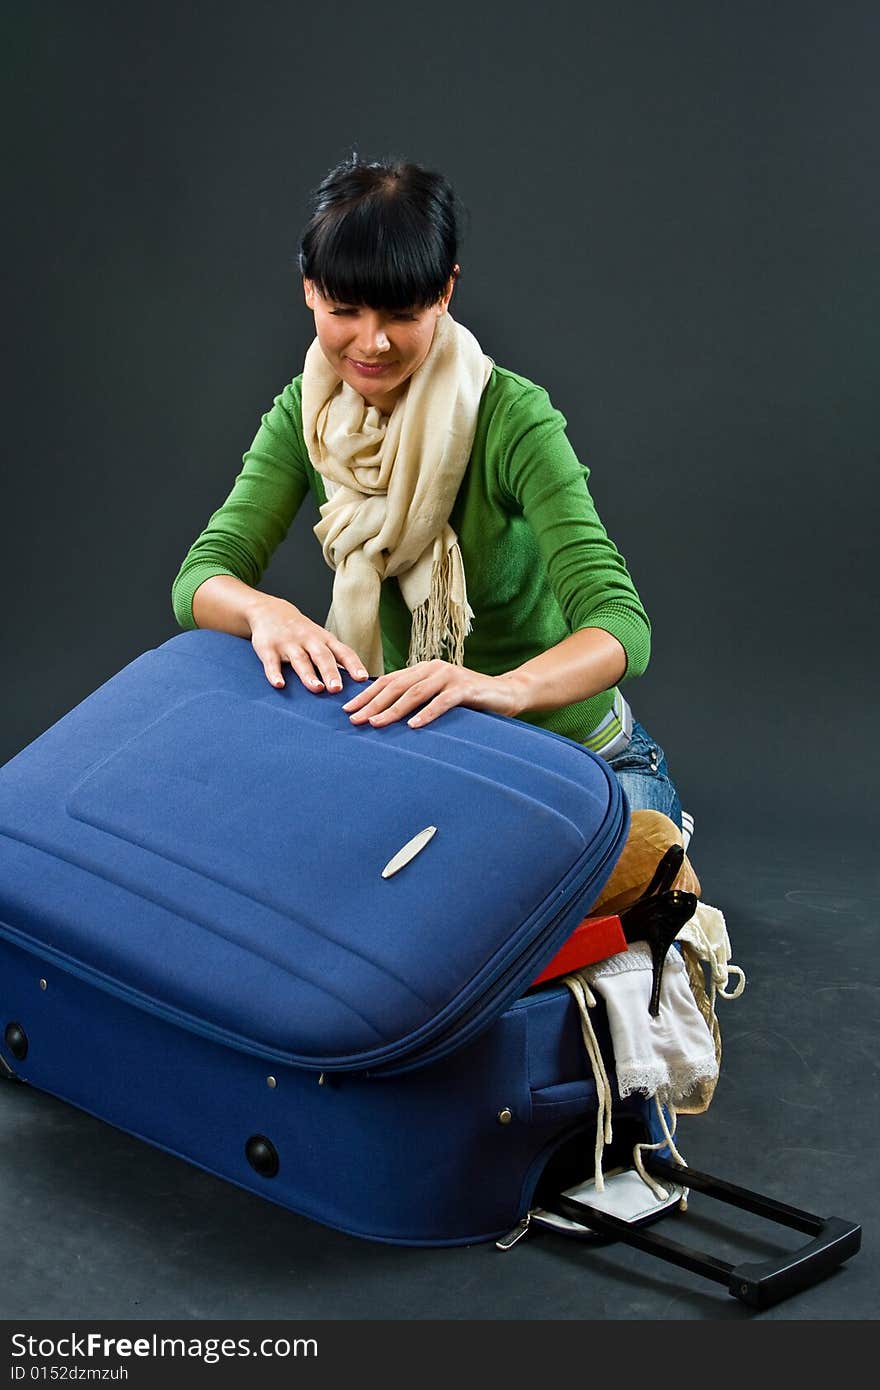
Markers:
point(375, 338)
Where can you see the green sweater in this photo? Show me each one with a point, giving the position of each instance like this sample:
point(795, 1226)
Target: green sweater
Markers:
point(538, 562)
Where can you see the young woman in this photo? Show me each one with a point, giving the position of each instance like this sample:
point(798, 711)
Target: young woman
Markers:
point(470, 565)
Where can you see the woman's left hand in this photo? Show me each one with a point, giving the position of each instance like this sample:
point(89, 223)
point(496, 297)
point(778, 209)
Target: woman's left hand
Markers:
point(423, 692)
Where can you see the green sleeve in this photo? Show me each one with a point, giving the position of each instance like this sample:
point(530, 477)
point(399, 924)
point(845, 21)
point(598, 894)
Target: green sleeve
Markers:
point(242, 534)
point(545, 479)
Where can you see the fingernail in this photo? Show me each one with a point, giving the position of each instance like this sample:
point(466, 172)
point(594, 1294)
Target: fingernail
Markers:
point(361, 675)
point(416, 719)
point(334, 685)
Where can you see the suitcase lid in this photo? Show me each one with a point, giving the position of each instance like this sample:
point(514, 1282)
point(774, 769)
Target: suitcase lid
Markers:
point(213, 850)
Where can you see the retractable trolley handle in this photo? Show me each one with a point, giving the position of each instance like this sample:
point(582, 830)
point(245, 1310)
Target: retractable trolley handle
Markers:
point(760, 1283)
point(757, 1284)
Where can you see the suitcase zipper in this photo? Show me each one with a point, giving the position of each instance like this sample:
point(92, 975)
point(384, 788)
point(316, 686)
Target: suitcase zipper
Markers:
point(509, 1241)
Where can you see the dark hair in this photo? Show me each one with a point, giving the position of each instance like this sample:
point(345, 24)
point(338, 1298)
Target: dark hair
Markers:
point(383, 234)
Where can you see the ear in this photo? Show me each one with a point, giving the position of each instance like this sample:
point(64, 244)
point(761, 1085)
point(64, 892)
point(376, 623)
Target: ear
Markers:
point(456, 271)
point(309, 292)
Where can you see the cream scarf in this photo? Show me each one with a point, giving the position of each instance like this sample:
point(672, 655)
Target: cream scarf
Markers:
point(391, 482)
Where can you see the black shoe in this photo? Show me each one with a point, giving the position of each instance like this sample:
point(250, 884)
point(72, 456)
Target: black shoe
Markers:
point(666, 872)
point(658, 919)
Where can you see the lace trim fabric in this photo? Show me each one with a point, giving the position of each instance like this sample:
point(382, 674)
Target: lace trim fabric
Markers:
point(667, 1056)
point(674, 1058)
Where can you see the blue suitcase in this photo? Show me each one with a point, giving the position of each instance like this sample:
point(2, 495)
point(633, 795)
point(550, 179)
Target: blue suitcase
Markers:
point(297, 953)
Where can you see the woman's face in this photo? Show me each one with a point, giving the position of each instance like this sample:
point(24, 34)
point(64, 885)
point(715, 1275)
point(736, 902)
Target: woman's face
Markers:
point(354, 337)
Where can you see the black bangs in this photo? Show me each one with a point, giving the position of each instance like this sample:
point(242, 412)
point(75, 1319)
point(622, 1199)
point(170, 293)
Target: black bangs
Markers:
point(381, 235)
point(373, 255)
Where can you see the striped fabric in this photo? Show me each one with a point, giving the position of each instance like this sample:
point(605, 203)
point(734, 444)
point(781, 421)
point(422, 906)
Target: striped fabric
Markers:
point(612, 736)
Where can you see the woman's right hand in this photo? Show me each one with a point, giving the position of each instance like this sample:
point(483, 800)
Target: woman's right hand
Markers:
point(280, 632)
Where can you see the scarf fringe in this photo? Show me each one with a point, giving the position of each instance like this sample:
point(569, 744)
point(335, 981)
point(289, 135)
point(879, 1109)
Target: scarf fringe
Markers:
point(440, 622)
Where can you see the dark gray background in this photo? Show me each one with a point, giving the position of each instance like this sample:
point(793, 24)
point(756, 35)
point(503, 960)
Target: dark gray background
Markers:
point(674, 221)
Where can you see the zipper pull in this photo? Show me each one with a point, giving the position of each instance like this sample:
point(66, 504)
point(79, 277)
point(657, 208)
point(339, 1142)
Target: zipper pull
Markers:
point(507, 1242)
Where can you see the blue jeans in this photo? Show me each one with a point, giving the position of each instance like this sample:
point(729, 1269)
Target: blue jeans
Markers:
point(644, 775)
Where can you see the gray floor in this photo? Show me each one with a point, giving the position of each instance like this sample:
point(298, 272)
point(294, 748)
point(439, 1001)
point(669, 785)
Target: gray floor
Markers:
point(97, 1224)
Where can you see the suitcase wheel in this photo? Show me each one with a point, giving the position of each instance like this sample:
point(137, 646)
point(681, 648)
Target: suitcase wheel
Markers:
point(16, 1040)
point(262, 1155)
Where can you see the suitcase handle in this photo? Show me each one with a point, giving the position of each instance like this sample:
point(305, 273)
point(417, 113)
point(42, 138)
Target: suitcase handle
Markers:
point(757, 1284)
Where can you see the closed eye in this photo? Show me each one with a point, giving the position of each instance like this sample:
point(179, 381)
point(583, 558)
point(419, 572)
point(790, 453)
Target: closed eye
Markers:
point(341, 312)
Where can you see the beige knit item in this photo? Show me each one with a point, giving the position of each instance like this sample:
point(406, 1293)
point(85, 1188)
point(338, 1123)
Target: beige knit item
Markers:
point(391, 483)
